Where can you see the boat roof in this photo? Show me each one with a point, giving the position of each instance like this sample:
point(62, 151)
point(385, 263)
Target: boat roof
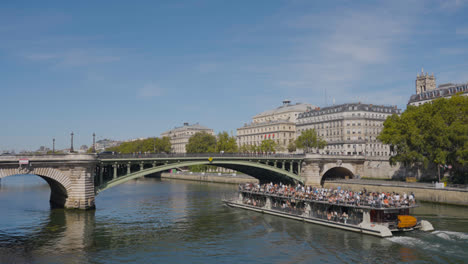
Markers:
point(336, 204)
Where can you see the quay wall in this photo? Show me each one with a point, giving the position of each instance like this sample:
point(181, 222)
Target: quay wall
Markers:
point(210, 177)
point(445, 196)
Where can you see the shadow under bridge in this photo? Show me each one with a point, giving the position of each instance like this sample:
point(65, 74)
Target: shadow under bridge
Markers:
point(115, 173)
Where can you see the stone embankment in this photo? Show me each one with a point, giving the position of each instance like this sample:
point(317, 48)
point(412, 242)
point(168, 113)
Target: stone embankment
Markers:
point(210, 177)
point(422, 192)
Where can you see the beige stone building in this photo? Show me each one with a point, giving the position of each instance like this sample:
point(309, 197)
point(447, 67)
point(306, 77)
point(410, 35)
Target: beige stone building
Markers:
point(426, 90)
point(180, 135)
point(349, 129)
point(277, 124)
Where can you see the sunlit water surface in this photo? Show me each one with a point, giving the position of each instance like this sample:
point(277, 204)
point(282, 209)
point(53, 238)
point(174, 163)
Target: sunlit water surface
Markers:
point(163, 221)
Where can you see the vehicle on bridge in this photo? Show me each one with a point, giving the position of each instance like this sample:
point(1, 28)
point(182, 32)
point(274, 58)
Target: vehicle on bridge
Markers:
point(327, 207)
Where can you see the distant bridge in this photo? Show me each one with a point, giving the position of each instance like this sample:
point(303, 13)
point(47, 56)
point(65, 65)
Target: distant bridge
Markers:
point(75, 179)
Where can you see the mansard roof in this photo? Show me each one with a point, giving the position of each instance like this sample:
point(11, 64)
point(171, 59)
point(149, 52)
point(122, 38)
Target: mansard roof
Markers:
point(186, 126)
point(443, 90)
point(350, 107)
point(285, 108)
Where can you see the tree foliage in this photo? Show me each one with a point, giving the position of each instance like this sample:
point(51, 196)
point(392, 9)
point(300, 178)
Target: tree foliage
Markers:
point(157, 145)
point(292, 146)
point(268, 145)
point(433, 133)
point(247, 148)
point(226, 143)
point(201, 142)
point(309, 140)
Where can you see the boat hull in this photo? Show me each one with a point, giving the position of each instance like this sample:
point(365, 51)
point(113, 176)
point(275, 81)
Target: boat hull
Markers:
point(365, 228)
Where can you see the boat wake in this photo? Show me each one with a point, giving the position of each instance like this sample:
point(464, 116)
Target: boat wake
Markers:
point(451, 235)
point(448, 243)
point(410, 241)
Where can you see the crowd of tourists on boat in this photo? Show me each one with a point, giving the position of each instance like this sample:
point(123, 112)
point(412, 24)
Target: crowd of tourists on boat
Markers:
point(337, 196)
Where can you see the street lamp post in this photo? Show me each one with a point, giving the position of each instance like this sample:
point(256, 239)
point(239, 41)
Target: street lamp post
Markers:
point(71, 146)
point(94, 142)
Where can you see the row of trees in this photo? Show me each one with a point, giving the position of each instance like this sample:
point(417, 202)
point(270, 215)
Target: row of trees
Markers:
point(205, 143)
point(431, 134)
point(157, 145)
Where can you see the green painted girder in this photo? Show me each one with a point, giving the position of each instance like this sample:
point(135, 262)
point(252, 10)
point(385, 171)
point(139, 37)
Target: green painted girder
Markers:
point(142, 173)
point(200, 158)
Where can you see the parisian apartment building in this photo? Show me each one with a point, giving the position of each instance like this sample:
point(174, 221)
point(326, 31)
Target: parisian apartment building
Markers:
point(426, 89)
point(278, 124)
point(349, 129)
point(180, 135)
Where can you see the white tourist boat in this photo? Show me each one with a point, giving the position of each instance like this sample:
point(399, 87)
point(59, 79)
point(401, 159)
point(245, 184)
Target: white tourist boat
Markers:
point(363, 218)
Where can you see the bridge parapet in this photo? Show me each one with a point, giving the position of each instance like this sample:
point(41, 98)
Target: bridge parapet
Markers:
point(195, 156)
point(49, 158)
point(334, 157)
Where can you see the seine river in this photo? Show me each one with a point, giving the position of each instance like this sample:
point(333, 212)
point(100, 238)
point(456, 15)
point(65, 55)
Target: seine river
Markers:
point(164, 221)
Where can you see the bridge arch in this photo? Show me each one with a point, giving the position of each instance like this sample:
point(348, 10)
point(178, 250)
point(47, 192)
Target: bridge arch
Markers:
point(337, 172)
point(261, 171)
point(59, 183)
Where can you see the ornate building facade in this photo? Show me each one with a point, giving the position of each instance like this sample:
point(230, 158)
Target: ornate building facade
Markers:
point(426, 90)
point(349, 129)
point(180, 135)
point(278, 124)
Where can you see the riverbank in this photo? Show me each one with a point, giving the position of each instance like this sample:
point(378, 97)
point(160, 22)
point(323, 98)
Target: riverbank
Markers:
point(210, 177)
point(422, 192)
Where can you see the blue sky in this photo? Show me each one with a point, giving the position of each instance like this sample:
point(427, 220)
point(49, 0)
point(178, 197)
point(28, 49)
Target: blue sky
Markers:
point(126, 71)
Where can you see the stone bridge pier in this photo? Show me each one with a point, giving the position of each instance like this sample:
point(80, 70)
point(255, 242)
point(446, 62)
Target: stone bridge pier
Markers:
point(70, 177)
point(311, 173)
point(316, 168)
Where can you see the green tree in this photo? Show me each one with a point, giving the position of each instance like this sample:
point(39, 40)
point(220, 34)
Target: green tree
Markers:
point(162, 145)
point(226, 143)
point(244, 148)
point(433, 133)
point(292, 146)
point(268, 145)
point(201, 142)
point(310, 140)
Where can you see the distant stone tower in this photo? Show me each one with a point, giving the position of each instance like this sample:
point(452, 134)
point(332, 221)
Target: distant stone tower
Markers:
point(425, 82)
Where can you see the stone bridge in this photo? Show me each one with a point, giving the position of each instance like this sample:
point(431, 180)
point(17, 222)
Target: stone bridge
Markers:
point(75, 179)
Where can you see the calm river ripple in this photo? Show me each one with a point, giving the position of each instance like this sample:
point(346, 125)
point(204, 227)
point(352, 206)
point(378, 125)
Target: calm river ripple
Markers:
point(165, 221)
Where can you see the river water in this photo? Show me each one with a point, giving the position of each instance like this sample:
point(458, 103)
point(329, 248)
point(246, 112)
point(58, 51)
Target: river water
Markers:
point(166, 221)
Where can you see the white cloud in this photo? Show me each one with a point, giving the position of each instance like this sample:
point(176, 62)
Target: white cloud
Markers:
point(150, 90)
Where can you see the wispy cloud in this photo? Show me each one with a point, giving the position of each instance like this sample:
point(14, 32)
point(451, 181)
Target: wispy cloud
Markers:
point(207, 67)
point(451, 5)
point(347, 49)
point(364, 38)
point(453, 51)
point(150, 90)
point(462, 31)
point(72, 58)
